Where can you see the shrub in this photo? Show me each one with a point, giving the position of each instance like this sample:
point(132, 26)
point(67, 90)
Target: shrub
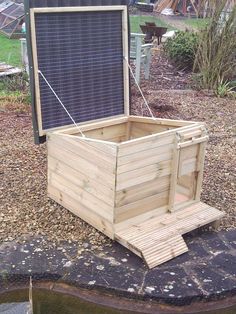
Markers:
point(181, 49)
point(216, 55)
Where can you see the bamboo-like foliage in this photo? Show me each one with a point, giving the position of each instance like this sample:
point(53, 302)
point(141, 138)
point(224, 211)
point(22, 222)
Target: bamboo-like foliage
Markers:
point(216, 55)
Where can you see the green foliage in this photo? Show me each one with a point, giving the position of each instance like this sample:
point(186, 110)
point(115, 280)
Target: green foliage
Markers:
point(181, 49)
point(215, 58)
point(225, 89)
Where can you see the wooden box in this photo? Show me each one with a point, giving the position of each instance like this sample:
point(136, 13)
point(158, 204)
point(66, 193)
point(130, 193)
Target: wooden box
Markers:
point(133, 172)
point(136, 179)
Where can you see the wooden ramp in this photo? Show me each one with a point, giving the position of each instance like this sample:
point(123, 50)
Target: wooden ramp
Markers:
point(159, 239)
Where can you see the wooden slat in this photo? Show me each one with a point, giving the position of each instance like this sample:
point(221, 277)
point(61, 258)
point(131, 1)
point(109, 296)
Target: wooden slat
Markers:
point(81, 180)
point(79, 210)
point(84, 150)
point(158, 253)
point(82, 165)
point(169, 122)
point(144, 158)
point(143, 190)
point(81, 196)
point(141, 206)
point(142, 144)
point(128, 179)
point(156, 212)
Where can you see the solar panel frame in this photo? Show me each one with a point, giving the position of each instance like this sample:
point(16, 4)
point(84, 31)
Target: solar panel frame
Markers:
point(42, 127)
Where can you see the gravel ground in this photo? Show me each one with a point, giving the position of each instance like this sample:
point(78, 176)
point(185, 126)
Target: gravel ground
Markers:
point(24, 206)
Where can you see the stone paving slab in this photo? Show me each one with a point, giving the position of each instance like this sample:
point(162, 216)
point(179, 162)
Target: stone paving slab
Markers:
point(206, 272)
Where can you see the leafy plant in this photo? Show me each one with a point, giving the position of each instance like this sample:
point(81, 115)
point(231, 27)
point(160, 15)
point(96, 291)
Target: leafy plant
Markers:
point(225, 89)
point(181, 49)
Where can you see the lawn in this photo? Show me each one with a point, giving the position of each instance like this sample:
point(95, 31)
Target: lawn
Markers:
point(136, 20)
point(197, 23)
point(10, 51)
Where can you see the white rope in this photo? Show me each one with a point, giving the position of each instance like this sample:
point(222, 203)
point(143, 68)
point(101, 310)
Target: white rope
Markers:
point(55, 94)
point(139, 88)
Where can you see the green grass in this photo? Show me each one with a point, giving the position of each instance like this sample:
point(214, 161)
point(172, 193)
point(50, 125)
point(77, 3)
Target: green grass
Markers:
point(135, 21)
point(197, 23)
point(10, 51)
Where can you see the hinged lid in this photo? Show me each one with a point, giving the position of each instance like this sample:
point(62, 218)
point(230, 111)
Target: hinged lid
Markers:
point(81, 52)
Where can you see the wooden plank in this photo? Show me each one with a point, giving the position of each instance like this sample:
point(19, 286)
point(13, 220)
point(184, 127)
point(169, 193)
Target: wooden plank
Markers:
point(81, 211)
point(79, 9)
point(143, 190)
point(87, 168)
point(36, 75)
point(193, 141)
point(83, 150)
point(81, 195)
point(170, 122)
point(125, 41)
point(200, 167)
point(141, 144)
point(174, 174)
point(141, 206)
point(144, 157)
point(142, 218)
point(106, 150)
point(81, 180)
point(144, 161)
point(128, 179)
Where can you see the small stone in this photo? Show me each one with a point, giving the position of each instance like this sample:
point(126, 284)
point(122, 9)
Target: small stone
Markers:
point(68, 264)
point(130, 290)
point(92, 282)
point(38, 250)
point(100, 267)
point(124, 260)
point(149, 289)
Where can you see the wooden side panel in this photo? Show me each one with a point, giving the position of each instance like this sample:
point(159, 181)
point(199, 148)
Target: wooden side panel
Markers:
point(81, 177)
point(81, 211)
point(143, 177)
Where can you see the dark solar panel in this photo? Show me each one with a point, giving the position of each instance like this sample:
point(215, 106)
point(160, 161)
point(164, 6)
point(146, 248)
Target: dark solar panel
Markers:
point(81, 55)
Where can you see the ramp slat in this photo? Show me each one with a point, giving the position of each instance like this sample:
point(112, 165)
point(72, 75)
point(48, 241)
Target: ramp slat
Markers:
point(170, 248)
